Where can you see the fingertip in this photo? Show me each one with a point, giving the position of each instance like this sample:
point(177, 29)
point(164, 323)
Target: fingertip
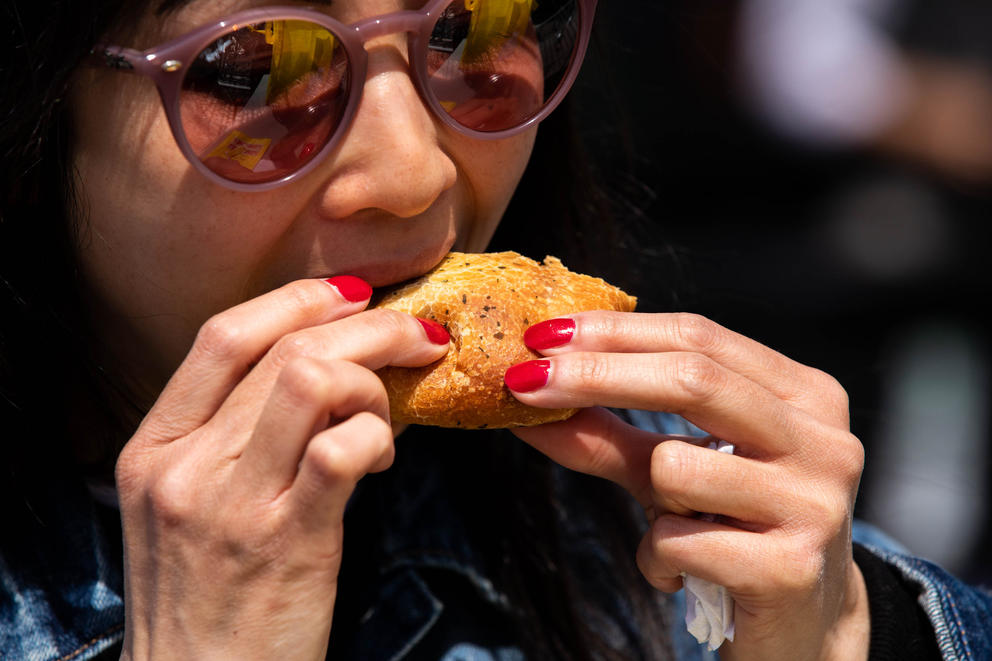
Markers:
point(436, 333)
point(669, 585)
point(351, 288)
point(550, 334)
point(656, 570)
point(528, 377)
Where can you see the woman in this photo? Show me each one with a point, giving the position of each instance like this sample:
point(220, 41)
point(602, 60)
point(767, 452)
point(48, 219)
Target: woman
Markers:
point(209, 256)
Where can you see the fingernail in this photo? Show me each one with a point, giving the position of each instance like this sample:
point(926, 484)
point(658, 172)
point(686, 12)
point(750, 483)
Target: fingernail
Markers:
point(529, 376)
point(549, 334)
point(436, 333)
point(351, 288)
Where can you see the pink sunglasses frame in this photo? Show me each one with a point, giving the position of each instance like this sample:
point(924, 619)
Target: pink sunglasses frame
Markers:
point(166, 64)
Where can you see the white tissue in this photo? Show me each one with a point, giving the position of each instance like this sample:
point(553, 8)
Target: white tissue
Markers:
point(709, 612)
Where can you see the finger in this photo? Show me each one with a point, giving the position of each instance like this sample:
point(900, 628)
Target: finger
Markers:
point(687, 479)
point(372, 339)
point(333, 463)
point(231, 341)
point(746, 563)
point(716, 399)
point(617, 332)
point(308, 396)
point(596, 442)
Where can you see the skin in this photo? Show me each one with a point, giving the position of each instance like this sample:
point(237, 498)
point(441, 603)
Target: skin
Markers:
point(265, 411)
point(782, 544)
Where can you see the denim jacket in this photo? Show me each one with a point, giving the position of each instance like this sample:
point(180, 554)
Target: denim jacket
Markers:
point(62, 593)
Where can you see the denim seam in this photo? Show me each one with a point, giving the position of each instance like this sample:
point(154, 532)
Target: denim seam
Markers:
point(939, 606)
point(109, 636)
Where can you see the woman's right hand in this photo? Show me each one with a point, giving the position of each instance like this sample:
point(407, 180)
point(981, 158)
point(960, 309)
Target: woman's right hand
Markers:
point(233, 489)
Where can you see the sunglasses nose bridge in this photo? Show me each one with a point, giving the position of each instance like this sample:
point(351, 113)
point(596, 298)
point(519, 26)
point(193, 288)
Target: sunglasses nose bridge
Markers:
point(381, 26)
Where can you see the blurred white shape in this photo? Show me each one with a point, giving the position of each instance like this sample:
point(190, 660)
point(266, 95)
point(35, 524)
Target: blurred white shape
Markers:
point(821, 71)
point(927, 465)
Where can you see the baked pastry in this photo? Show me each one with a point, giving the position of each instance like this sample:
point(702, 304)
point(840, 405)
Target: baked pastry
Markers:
point(486, 301)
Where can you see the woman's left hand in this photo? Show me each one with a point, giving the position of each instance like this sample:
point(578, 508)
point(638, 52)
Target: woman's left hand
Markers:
point(782, 541)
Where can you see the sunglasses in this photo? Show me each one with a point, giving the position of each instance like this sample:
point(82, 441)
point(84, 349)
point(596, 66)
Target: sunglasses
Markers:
point(261, 97)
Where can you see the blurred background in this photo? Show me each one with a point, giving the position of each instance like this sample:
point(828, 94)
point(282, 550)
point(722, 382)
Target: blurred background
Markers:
point(820, 177)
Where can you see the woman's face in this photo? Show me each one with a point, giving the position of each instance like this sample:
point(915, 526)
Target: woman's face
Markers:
point(163, 248)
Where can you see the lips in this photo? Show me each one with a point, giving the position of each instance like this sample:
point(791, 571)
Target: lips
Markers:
point(386, 271)
point(379, 248)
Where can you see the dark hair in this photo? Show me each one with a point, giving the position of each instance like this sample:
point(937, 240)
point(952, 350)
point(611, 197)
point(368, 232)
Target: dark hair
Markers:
point(45, 342)
point(44, 347)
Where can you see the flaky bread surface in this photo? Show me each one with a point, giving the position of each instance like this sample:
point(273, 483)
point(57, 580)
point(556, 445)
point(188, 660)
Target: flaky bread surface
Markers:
point(486, 301)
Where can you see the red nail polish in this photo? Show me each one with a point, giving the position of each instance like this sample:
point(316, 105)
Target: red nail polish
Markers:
point(549, 334)
point(436, 333)
point(529, 376)
point(351, 288)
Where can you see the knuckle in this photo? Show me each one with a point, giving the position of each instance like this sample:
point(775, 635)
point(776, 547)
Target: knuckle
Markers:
point(305, 295)
point(825, 512)
point(804, 566)
point(838, 521)
point(332, 460)
point(697, 333)
point(845, 461)
point(590, 370)
point(329, 460)
point(168, 498)
point(344, 454)
point(852, 457)
point(306, 380)
point(220, 337)
point(672, 467)
point(823, 517)
point(605, 324)
point(696, 375)
point(291, 347)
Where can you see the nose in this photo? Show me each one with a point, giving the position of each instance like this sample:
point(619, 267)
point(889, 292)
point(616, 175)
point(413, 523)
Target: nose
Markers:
point(391, 158)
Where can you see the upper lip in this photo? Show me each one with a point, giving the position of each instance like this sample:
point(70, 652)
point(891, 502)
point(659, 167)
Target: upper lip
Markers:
point(389, 270)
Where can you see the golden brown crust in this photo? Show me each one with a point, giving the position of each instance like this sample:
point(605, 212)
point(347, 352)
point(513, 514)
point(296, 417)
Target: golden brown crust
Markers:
point(486, 301)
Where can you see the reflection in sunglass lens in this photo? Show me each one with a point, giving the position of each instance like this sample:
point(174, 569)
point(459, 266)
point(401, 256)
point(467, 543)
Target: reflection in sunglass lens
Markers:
point(493, 64)
point(260, 102)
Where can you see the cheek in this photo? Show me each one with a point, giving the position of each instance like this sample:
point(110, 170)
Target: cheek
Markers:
point(493, 173)
point(161, 248)
point(127, 169)
point(123, 141)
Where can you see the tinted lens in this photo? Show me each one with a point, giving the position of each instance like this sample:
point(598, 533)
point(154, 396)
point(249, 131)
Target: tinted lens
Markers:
point(493, 64)
point(261, 101)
